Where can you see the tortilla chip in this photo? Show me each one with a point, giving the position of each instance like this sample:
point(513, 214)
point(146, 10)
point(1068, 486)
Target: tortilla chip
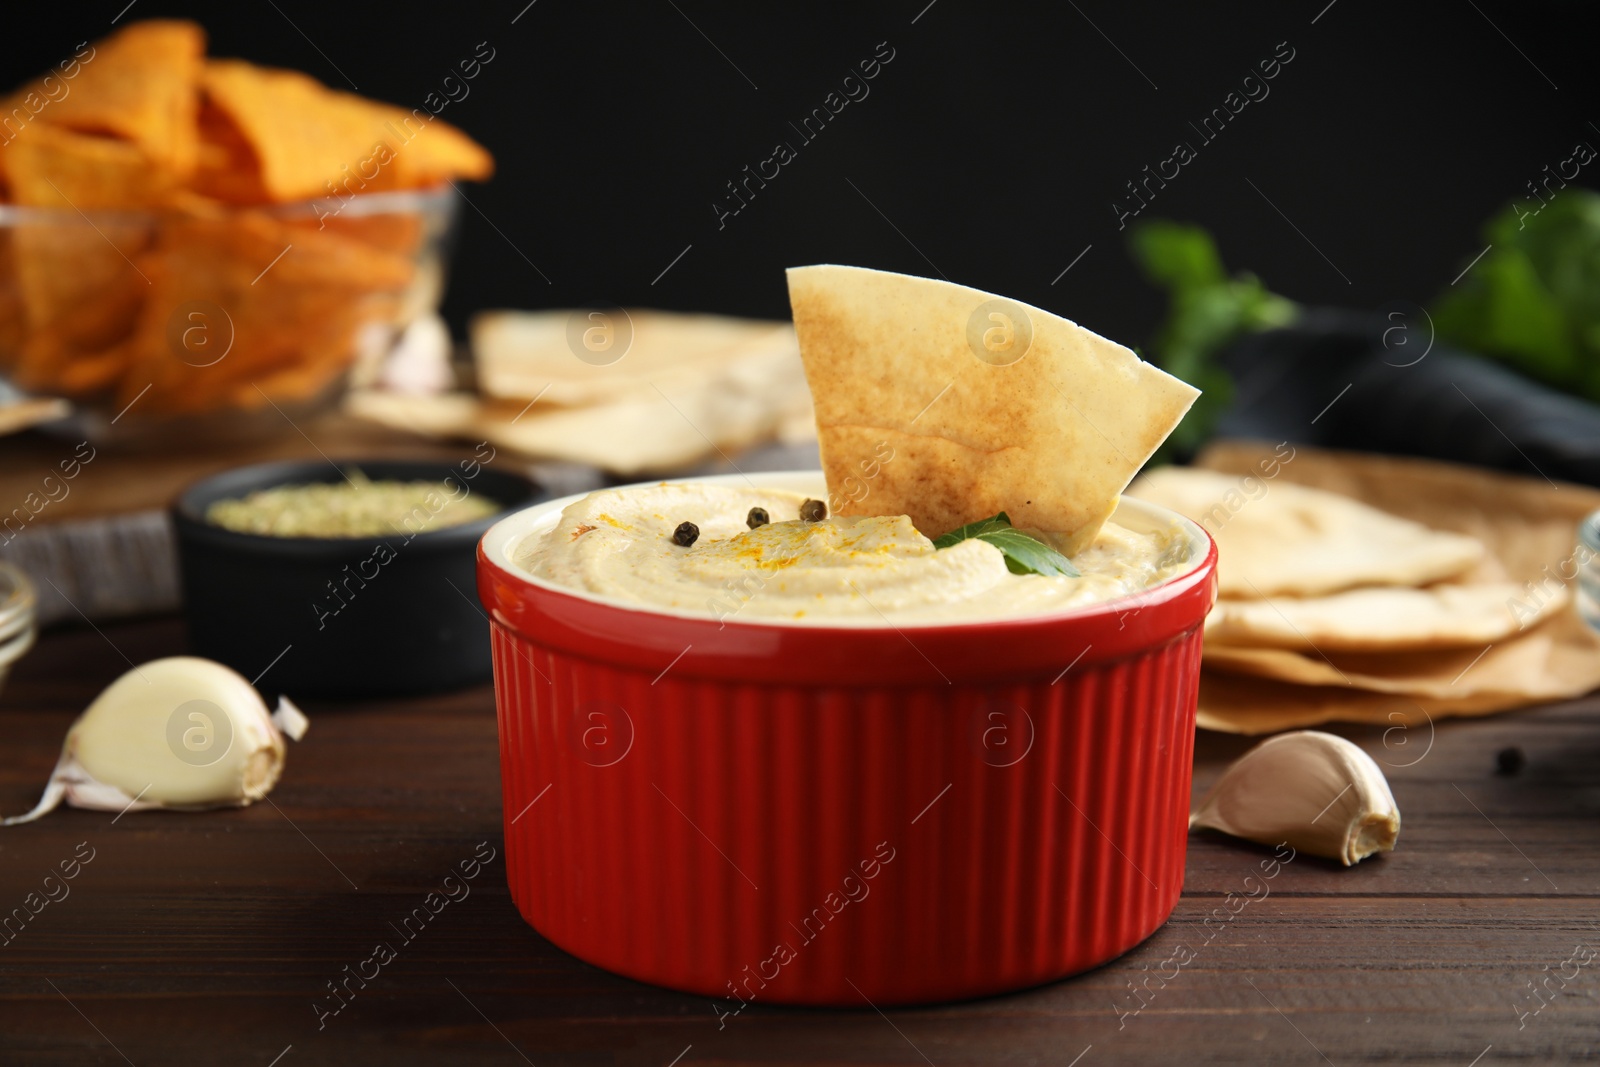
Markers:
point(13, 315)
point(1050, 436)
point(75, 172)
point(51, 362)
point(1379, 619)
point(152, 162)
point(429, 154)
point(77, 278)
point(1292, 540)
point(297, 384)
point(140, 84)
point(338, 144)
point(225, 168)
point(289, 298)
point(402, 234)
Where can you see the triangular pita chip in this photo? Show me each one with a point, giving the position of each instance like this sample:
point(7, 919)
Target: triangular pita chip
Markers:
point(987, 404)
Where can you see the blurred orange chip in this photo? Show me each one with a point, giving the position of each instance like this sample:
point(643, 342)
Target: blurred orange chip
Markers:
point(162, 249)
point(51, 167)
point(140, 84)
point(13, 316)
point(50, 360)
point(425, 150)
point(75, 274)
point(248, 298)
point(338, 143)
point(226, 168)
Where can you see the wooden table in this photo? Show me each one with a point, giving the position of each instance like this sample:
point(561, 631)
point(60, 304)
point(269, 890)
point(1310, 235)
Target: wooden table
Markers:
point(206, 938)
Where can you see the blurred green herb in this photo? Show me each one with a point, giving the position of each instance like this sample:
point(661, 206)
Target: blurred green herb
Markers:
point(1533, 301)
point(1208, 311)
point(1024, 554)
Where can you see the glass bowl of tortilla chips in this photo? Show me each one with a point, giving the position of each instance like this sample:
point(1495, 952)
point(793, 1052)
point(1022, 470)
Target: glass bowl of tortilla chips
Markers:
point(187, 241)
point(222, 312)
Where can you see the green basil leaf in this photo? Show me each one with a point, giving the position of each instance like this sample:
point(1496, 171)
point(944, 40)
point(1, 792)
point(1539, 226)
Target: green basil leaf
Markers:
point(1024, 554)
point(973, 529)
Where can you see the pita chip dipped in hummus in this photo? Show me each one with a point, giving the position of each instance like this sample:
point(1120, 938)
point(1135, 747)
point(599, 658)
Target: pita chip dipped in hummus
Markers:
point(973, 449)
point(986, 404)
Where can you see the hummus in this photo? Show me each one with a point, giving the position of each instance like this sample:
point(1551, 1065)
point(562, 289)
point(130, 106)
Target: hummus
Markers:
point(618, 544)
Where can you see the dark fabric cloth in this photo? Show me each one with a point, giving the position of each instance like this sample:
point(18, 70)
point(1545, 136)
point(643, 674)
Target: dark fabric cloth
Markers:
point(1374, 383)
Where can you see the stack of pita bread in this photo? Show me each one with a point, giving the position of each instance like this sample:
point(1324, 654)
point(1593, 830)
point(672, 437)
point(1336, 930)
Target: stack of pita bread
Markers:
point(633, 392)
point(1383, 590)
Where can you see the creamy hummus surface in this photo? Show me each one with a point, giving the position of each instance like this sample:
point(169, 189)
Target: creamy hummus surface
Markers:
point(618, 544)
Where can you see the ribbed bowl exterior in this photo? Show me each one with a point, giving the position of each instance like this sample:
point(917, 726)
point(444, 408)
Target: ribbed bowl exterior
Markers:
point(794, 815)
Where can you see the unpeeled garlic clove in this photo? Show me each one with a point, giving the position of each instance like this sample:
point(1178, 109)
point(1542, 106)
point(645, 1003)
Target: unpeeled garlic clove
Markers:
point(181, 732)
point(1319, 793)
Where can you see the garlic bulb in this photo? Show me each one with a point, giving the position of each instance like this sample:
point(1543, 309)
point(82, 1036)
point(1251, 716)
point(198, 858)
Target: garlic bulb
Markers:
point(181, 732)
point(1318, 792)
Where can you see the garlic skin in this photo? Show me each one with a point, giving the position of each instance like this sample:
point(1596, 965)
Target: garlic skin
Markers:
point(1318, 792)
point(181, 732)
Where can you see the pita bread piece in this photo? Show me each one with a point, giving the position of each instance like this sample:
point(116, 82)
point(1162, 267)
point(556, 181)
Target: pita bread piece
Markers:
point(19, 415)
point(1558, 661)
point(1379, 619)
point(527, 354)
point(1237, 704)
point(692, 418)
point(1051, 435)
point(1515, 668)
point(1296, 541)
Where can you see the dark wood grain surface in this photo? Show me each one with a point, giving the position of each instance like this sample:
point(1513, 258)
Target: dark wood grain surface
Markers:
point(208, 938)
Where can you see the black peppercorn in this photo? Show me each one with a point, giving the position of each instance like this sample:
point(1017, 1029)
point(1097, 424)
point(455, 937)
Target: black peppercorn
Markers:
point(813, 511)
point(1508, 761)
point(757, 517)
point(685, 534)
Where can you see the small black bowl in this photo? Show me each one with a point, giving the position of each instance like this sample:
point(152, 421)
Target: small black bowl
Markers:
point(341, 617)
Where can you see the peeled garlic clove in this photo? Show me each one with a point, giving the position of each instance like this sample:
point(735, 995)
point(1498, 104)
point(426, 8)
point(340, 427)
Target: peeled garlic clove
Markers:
point(181, 732)
point(1318, 792)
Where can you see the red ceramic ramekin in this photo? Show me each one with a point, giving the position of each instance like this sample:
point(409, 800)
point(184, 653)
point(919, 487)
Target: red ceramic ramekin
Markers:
point(836, 814)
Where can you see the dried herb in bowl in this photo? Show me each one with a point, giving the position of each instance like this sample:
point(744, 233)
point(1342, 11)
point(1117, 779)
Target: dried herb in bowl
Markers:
point(356, 507)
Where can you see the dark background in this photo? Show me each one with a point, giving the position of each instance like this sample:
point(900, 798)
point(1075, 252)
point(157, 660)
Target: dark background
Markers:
point(989, 150)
